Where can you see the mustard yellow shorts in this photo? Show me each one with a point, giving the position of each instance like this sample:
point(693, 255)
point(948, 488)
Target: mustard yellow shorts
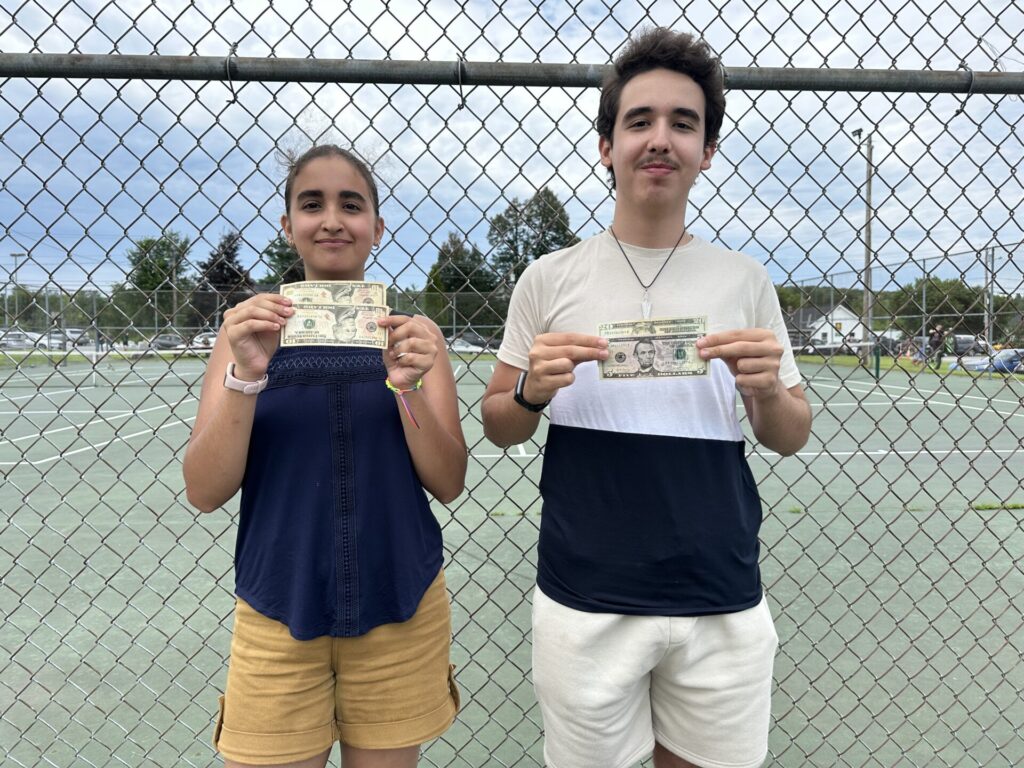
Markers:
point(288, 700)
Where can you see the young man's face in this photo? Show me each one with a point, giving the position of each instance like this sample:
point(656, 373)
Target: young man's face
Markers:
point(657, 146)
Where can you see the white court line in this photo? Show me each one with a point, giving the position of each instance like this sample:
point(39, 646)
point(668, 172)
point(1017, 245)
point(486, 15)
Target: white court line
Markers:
point(523, 455)
point(97, 446)
point(40, 378)
point(922, 400)
point(54, 412)
point(38, 393)
point(916, 401)
point(457, 369)
point(889, 452)
point(43, 378)
point(113, 385)
point(89, 423)
point(818, 454)
point(868, 388)
point(883, 403)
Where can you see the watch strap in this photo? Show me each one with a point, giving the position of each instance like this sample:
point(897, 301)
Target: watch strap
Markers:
point(518, 396)
point(240, 385)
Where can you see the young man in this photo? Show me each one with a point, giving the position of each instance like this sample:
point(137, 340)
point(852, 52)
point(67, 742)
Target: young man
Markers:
point(651, 631)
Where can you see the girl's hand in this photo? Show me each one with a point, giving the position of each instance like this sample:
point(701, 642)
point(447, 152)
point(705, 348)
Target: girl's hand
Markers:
point(412, 348)
point(253, 328)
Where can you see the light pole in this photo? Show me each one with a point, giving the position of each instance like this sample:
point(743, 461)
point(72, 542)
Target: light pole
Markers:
point(990, 318)
point(865, 349)
point(14, 285)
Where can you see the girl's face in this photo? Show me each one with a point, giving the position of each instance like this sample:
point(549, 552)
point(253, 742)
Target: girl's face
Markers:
point(332, 223)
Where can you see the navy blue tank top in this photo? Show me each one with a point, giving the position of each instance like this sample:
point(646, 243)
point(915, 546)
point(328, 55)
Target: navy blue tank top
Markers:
point(335, 533)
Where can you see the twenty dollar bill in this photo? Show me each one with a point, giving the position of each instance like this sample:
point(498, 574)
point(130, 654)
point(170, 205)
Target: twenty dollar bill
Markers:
point(336, 326)
point(650, 349)
point(335, 292)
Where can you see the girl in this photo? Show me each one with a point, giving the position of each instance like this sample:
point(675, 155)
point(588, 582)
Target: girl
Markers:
point(342, 625)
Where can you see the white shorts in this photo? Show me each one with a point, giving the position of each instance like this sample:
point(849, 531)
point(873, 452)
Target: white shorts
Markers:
point(610, 685)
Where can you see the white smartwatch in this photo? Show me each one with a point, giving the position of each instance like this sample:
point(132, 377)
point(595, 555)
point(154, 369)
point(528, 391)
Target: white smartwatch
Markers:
point(245, 387)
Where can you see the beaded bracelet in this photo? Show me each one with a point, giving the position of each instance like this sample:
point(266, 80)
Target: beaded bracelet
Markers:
point(401, 396)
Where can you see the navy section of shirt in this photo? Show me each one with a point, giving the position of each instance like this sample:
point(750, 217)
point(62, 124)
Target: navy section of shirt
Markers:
point(648, 524)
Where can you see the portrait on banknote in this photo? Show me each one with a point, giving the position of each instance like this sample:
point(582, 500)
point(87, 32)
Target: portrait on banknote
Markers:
point(331, 325)
point(345, 324)
point(645, 351)
point(653, 348)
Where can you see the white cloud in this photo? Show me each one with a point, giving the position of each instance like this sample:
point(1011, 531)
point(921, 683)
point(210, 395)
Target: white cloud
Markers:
point(789, 173)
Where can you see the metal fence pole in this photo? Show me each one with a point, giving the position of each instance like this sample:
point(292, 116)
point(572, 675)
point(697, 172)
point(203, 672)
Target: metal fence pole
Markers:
point(14, 284)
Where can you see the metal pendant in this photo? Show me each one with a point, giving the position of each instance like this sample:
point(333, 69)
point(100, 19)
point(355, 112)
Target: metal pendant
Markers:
point(645, 306)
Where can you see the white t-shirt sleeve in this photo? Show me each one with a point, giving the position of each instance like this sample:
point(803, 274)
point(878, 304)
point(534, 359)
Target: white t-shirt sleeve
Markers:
point(525, 319)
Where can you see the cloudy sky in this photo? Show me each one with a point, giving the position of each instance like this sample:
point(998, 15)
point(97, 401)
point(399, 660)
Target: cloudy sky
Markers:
point(88, 166)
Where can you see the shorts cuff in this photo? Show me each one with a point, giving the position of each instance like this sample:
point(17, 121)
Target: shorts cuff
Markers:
point(270, 748)
point(403, 733)
point(638, 755)
point(705, 762)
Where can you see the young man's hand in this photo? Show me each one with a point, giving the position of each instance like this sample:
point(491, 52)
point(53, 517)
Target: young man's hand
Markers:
point(753, 356)
point(553, 357)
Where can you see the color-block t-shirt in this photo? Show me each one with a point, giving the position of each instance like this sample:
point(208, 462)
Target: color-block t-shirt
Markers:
point(649, 506)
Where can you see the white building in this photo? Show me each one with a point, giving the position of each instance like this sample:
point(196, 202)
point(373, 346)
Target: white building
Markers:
point(826, 327)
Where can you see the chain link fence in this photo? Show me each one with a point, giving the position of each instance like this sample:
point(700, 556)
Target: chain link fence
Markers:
point(141, 196)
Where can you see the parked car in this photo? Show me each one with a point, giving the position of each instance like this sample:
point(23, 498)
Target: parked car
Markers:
point(964, 344)
point(461, 345)
point(77, 336)
point(204, 340)
point(167, 341)
point(885, 344)
point(477, 341)
point(55, 339)
point(888, 345)
point(1003, 361)
point(15, 338)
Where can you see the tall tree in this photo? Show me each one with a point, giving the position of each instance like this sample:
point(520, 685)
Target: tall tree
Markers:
point(159, 277)
point(930, 300)
point(282, 262)
point(526, 231)
point(158, 262)
point(223, 282)
point(460, 285)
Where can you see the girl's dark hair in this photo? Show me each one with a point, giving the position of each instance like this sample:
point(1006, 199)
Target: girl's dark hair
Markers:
point(660, 48)
point(296, 164)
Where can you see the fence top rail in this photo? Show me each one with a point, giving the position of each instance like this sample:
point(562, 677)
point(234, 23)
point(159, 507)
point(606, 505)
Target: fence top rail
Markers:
point(390, 71)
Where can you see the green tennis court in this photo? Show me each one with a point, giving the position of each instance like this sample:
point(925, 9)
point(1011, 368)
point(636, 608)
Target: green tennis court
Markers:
point(888, 555)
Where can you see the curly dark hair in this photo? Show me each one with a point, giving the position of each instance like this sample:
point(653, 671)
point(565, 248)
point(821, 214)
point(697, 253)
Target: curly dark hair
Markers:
point(661, 48)
point(295, 164)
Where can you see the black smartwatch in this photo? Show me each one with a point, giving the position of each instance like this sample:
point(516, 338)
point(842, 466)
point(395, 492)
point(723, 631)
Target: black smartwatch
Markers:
point(518, 396)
